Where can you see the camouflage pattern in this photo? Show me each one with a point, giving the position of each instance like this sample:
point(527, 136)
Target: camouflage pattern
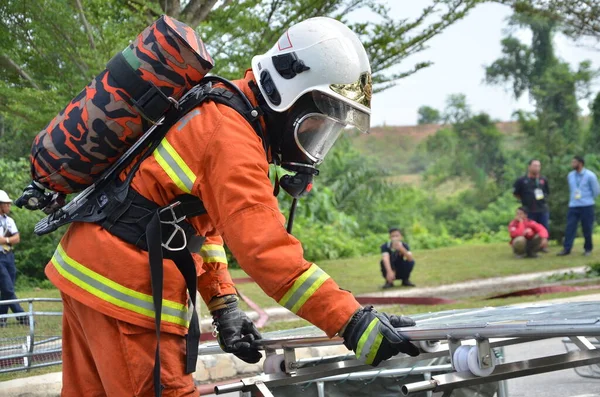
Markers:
point(100, 123)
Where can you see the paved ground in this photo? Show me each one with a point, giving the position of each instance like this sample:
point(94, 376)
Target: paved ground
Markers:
point(564, 383)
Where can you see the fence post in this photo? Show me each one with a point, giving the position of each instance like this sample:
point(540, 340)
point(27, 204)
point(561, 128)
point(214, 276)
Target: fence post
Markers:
point(31, 335)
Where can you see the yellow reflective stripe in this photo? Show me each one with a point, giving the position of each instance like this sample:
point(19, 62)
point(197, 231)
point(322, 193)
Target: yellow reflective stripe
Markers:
point(213, 253)
point(114, 293)
point(172, 163)
point(304, 287)
point(366, 336)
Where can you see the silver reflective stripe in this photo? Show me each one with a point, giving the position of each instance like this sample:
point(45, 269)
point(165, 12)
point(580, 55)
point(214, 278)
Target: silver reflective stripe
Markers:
point(172, 163)
point(212, 253)
point(303, 288)
point(183, 122)
point(111, 292)
point(366, 349)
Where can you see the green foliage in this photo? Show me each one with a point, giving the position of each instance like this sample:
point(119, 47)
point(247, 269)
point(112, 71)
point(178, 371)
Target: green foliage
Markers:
point(428, 115)
point(577, 18)
point(470, 147)
point(593, 138)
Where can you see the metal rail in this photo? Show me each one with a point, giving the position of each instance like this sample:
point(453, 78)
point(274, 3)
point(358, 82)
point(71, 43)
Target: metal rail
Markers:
point(22, 352)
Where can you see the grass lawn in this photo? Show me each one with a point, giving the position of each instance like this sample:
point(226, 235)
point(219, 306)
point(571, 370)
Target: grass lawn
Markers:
point(436, 267)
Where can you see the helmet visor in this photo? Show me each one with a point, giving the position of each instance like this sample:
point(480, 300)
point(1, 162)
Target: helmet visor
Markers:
point(342, 111)
point(315, 134)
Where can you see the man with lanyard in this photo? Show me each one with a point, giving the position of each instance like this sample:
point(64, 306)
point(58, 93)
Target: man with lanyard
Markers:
point(9, 236)
point(533, 191)
point(583, 188)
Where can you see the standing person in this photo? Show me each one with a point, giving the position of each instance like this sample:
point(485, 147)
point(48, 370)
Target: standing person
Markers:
point(9, 236)
point(314, 82)
point(533, 191)
point(583, 190)
point(397, 262)
point(527, 237)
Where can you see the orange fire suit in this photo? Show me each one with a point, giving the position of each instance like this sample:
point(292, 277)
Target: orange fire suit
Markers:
point(214, 154)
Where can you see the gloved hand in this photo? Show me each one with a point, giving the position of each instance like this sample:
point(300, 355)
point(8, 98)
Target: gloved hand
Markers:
point(373, 337)
point(33, 197)
point(235, 331)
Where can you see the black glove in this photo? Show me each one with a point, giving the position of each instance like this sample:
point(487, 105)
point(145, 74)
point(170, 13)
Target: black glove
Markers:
point(33, 197)
point(236, 332)
point(373, 337)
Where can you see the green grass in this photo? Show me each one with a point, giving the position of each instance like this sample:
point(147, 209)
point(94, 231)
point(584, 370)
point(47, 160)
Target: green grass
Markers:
point(435, 267)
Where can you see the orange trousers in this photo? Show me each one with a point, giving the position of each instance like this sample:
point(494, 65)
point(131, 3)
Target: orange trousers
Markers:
point(103, 356)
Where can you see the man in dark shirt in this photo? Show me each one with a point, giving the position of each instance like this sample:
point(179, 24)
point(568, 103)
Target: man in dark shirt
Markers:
point(397, 261)
point(533, 191)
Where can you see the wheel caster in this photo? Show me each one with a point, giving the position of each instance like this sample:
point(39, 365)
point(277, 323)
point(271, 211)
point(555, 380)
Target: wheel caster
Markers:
point(429, 346)
point(274, 364)
point(473, 363)
point(460, 359)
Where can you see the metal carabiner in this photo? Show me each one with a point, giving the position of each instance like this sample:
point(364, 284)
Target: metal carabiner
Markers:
point(173, 222)
point(178, 229)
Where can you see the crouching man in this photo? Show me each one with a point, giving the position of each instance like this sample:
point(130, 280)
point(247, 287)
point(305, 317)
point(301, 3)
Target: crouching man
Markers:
point(527, 237)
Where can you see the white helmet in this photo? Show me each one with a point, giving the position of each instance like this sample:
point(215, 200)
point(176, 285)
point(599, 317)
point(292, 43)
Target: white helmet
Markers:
point(4, 197)
point(322, 59)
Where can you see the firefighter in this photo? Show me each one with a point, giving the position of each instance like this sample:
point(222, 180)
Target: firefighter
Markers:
point(309, 86)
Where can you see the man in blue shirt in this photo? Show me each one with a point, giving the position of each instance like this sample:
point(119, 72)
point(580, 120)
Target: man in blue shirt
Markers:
point(583, 187)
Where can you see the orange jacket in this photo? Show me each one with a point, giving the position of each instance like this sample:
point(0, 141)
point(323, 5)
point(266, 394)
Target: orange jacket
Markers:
point(214, 154)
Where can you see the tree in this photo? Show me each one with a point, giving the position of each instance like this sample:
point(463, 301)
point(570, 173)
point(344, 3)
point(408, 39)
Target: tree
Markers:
point(553, 130)
point(50, 49)
point(576, 17)
point(471, 146)
point(428, 115)
point(593, 143)
point(457, 110)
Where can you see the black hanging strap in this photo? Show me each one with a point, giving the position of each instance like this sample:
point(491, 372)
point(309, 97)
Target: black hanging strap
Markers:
point(145, 96)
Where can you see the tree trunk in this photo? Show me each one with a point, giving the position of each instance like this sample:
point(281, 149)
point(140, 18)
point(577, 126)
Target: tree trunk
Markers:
point(86, 25)
point(171, 8)
point(19, 70)
point(196, 11)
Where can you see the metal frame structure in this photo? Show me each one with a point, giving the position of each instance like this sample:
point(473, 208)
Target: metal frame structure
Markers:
point(493, 333)
point(30, 351)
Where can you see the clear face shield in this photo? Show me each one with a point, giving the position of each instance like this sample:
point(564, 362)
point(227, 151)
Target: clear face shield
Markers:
point(315, 133)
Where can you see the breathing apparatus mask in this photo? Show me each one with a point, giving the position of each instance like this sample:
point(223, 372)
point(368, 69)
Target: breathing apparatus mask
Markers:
point(308, 131)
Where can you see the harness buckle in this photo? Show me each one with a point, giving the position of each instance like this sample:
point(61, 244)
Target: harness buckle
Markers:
point(174, 221)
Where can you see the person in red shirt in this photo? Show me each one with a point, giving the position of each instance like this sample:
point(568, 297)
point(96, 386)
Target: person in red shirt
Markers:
point(527, 237)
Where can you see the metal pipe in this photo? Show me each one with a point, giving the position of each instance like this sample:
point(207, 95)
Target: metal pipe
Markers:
point(229, 388)
point(425, 385)
point(321, 389)
point(387, 372)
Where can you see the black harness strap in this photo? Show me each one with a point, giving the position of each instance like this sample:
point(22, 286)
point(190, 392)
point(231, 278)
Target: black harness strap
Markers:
point(139, 221)
point(144, 95)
